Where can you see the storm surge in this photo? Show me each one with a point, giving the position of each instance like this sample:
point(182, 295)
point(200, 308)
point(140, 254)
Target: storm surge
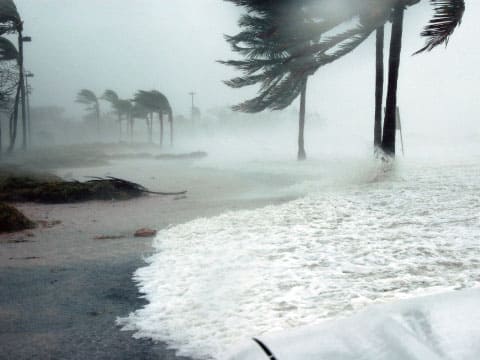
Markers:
point(214, 282)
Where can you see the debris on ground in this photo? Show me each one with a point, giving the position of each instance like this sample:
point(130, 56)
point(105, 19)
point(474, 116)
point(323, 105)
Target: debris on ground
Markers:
point(145, 232)
point(109, 237)
point(30, 189)
point(12, 220)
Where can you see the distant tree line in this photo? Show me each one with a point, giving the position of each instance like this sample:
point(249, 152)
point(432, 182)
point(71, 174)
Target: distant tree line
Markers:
point(145, 105)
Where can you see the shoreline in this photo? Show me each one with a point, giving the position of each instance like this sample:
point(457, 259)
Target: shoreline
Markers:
point(62, 289)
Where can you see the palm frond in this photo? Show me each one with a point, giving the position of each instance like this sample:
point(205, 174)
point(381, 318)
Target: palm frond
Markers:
point(9, 17)
point(448, 16)
point(86, 97)
point(8, 51)
point(153, 101)
point(110, 96)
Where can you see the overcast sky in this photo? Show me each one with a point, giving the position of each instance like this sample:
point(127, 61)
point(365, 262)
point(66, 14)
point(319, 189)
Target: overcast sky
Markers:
point(172, 46)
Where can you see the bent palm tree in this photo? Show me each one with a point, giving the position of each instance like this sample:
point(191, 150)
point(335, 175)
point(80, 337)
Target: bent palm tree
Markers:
point(124, 108)
point(10, 22)
point(111, 97)
point(155, 102)
point(447, 16)
point(9, 82)
point(88, 98)
point(285, 44)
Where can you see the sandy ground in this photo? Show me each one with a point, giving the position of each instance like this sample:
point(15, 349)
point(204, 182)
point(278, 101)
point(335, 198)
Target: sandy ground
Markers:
point(61, 289)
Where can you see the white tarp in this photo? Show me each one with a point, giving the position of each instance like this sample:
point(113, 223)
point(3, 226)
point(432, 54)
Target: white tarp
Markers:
point(435, 327)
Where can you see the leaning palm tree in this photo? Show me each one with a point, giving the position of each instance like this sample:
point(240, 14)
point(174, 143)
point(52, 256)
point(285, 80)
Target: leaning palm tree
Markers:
point(124, 109)
point(112, 97)
point(9, 85)
point(163, 107)
point(88, 98)
point(155, 102)
point(447, 16)
point(146, 102)
point(10, 22)
point(138, 111)
point(286, 42)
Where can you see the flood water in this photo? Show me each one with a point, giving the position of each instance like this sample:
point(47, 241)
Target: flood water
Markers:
point(382, 235)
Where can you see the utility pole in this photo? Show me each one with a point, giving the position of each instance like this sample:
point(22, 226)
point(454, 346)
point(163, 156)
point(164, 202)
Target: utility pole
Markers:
point(192, 94)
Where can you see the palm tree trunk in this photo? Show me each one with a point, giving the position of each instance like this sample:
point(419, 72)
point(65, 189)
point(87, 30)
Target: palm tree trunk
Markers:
point(120, 127)
point(97, 115)
point(377, 132)
point(149, 127)
point(22, 90)
point(301, 124)
point(170, 120)
point(14, 121)
point(389, 127)
point(132, 122)
point(160, 116)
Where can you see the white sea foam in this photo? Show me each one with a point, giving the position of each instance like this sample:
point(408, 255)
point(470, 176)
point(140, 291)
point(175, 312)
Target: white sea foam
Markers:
point(216, 281)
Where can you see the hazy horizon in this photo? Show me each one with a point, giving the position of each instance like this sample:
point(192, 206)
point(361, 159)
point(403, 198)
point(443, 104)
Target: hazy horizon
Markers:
point(173, 47)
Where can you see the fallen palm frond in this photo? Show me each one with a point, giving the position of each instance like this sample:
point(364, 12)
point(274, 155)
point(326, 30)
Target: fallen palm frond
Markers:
point(28, 189)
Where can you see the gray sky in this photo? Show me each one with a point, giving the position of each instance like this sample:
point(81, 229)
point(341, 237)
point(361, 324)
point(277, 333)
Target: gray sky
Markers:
point(172, 46)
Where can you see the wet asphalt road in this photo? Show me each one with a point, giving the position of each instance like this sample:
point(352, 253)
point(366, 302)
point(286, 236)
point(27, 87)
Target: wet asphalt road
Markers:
point(69, 312)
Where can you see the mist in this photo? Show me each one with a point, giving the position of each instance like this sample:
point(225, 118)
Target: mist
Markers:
point(155, 221)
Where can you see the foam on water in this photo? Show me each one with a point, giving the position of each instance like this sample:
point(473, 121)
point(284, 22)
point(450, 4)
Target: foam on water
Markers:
point(216, 281)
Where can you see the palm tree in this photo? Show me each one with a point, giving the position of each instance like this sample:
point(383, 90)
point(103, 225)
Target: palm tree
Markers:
point(9, 86)
point(284, 44)
point(155, 102)
point(379, 81)
point(138, 111)
point(448, 15)
point(11, 22)
point(88, 98)
point(112, 97)
point(124, 108)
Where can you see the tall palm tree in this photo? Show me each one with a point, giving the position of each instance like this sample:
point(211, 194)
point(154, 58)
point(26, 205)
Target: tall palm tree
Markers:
point(379, 82)
point(88, 98)
point(10, 22)
point(138, 111)
point(163, 107)
point(145, 100)
point(447, 16)
point(155, 102)
point(124, 109)
point(111, 97)
point(10, 82)
point(285, 42)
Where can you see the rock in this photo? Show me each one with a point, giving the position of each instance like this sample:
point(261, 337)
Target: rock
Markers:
point(144, 232)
